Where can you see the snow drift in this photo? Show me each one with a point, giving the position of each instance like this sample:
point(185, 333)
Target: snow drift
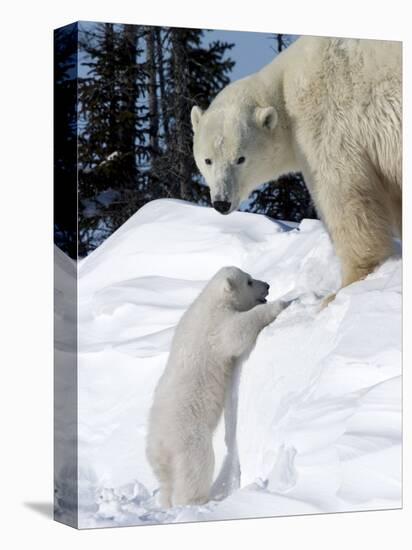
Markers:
point(318, 425)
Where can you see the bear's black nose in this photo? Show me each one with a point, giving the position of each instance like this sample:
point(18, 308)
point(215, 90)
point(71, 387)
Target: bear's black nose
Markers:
point(222, 206)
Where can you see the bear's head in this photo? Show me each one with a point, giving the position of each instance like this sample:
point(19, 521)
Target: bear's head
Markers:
point(236, 148)
point(239, 289)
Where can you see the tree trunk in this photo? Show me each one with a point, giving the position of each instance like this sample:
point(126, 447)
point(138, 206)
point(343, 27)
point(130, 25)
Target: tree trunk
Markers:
point(280, 42)
point(162, 87)
point(152, 92)
point(113, 138)
point(129, 94)
point(181, 111)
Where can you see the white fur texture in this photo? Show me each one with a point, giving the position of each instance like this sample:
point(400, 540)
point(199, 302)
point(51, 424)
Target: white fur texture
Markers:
point(331, 109)
point(221, 325)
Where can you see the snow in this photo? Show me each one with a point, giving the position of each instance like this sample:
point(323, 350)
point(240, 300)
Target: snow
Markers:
point(314, 417)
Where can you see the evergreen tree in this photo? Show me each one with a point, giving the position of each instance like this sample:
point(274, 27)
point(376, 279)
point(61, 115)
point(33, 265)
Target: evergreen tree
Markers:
point(112, 144)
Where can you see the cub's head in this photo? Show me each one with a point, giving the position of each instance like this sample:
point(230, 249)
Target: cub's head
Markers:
point(240, 290)
point(234, 150)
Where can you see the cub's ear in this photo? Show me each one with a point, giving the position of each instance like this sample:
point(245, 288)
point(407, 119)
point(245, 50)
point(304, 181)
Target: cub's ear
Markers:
point(195, 115)
point(266, 117)
point(229, 284)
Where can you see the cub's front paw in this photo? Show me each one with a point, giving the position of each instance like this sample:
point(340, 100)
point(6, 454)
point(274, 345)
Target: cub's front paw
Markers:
point(278, 306)
point(285, 303)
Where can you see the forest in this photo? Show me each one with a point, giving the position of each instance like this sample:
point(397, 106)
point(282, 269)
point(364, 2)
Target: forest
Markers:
point(123, 96)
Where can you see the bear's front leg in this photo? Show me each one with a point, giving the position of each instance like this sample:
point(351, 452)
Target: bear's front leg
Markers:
point(357, 217)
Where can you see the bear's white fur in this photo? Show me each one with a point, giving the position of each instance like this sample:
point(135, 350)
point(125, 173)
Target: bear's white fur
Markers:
point(331, 109)
point(221, 325)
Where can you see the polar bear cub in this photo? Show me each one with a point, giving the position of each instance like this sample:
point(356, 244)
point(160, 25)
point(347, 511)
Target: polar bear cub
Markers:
point(221, 325)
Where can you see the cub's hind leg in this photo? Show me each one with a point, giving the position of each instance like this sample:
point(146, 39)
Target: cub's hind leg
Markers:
point(193, 472)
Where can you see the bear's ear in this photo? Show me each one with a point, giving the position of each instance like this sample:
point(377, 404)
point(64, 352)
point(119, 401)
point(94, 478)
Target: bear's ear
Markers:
point(196, 115)
point(266, 117)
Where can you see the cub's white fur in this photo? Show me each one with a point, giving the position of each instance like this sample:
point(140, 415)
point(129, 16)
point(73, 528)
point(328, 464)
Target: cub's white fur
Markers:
point(332, 109)
point(220, 326)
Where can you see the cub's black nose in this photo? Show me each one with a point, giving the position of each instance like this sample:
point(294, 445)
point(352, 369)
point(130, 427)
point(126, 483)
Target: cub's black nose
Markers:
point(222, 206)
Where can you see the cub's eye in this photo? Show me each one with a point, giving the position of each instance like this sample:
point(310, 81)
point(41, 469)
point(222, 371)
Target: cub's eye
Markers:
point(241, 160)
point(208, 161)
point(249, 283)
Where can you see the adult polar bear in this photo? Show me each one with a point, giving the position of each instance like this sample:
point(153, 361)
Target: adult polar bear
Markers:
point(331, 109)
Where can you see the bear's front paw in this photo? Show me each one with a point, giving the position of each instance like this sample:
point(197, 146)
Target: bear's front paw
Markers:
point(326, 301)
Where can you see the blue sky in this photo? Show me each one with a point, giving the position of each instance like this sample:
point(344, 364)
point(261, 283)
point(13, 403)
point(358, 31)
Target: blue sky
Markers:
point(252, 50)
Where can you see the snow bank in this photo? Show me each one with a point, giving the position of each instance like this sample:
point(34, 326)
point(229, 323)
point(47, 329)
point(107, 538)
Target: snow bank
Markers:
point(319, 398)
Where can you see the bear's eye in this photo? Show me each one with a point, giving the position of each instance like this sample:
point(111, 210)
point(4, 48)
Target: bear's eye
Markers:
point(241, 160)
point(250, 283)
point(208, 161)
